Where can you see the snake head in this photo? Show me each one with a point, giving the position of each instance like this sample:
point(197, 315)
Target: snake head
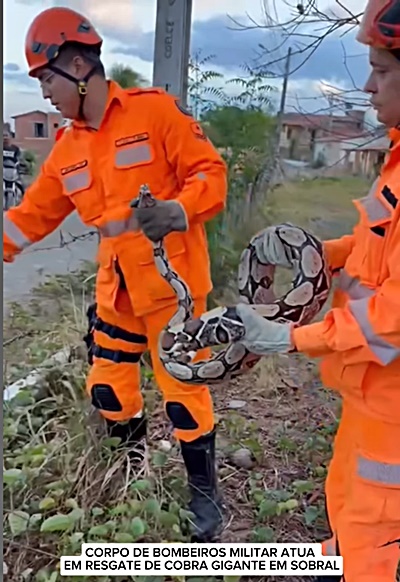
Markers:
point(145, 199)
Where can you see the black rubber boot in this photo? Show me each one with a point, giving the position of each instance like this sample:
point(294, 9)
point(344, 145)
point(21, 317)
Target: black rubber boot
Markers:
point(206, 503)
point(132, 434)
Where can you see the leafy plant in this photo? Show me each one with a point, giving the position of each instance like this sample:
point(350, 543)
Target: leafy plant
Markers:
point(254, 90)
point(239, 126)
point(202, 93)
point(29, 162)
point(63, 482)
point(126, 77)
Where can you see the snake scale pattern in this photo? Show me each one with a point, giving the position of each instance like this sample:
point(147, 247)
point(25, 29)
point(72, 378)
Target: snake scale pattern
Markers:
point(185, 335)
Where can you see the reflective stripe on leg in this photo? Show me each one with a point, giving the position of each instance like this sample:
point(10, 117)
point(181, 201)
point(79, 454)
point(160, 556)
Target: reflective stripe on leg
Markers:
point(329, 547)
point(382, 473)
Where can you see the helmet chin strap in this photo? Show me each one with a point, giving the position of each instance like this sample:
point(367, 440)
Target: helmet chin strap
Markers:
point(81, 84)
point(396, 53)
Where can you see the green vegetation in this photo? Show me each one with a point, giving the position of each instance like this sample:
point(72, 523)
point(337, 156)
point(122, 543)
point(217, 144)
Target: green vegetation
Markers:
point(62, 483)
point(29, 162)
point(126, 76)
point(238, 119)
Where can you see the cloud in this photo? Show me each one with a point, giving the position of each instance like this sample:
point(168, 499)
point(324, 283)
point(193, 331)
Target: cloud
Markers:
point(117, 19)
point(12, 74)
point(11, 67)
point(345, 10)
point(216, 36)
point(335, 58)
point(338, 60)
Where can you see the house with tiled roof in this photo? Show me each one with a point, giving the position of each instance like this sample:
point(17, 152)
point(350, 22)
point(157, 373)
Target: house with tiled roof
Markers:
point(301, 131)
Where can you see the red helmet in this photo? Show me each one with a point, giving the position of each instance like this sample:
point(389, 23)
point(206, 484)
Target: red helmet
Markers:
point(51, 29)
point(380, 25)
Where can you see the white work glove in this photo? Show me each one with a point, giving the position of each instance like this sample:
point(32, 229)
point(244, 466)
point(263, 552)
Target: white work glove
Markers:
point(264, 337)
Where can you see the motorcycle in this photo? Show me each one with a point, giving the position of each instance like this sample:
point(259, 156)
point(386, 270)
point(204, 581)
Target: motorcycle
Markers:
point(12, 188)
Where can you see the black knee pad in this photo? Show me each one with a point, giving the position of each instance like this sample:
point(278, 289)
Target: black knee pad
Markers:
point(180, 416)
point(104, 398)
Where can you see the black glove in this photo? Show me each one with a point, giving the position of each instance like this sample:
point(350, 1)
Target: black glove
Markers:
point(164, 217)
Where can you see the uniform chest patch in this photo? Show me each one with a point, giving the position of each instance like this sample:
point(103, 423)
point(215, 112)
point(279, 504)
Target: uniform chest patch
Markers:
point(74, 167)
point(137, 138)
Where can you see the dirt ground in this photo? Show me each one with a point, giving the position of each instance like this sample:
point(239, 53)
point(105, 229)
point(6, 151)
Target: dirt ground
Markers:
point(275, 429)
point(274, 439)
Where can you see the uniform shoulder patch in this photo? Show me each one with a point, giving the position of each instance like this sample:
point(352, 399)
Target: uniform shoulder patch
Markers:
point(198, 131)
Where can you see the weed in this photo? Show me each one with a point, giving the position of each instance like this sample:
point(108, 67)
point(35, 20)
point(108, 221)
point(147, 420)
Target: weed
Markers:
point(64, 485)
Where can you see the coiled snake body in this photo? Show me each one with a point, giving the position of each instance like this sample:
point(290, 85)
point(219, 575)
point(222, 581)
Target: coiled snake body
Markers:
point(185, 335)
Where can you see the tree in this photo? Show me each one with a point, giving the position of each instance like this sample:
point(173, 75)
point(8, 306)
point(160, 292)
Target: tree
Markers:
point(203, 96)
point(230, 126)
point(254, 90)
point(126, 77)
point(240, 125)
point(303, 24)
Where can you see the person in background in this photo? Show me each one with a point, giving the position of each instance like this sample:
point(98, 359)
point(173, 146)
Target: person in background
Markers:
point(12, 157)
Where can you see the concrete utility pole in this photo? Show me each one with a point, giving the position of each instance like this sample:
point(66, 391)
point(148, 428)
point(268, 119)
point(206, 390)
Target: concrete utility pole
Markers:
point(269, 172)
point(172, 46)
point(283, 94)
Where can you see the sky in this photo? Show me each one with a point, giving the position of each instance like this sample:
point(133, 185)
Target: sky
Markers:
point(128, 30)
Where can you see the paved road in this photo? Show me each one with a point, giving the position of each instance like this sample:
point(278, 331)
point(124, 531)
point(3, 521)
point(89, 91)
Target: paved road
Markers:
point(47, 258)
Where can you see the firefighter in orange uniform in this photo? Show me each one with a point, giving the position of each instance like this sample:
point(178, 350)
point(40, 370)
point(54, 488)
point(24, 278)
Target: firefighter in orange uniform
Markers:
point(359, 341)
point(120, 139)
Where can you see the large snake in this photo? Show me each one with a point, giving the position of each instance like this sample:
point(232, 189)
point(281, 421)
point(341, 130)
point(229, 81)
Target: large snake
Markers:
point(185, 335)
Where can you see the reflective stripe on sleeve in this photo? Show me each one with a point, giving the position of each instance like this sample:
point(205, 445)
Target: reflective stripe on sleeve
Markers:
point(375, 208)
point(382, 349)
point(76, 182)
point(15, 234)
point(117, 227)
point(353, 287)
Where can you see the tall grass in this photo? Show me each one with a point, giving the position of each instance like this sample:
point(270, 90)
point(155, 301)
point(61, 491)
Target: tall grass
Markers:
point(230, 232)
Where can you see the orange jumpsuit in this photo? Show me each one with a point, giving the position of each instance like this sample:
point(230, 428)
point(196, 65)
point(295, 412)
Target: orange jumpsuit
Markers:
point(60, 132)
point(145, 137)
point(359, 341)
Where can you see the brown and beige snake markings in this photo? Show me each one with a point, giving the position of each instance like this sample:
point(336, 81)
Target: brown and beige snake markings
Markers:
point(184, 335)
